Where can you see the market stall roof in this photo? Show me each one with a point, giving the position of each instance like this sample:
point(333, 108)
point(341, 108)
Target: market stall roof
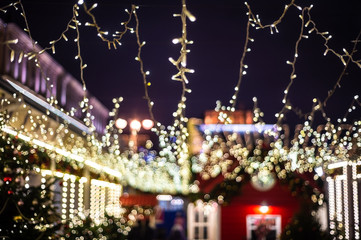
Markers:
point(139, 199)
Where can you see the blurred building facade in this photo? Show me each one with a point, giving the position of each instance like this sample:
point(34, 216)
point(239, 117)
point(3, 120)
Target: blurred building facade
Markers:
point(38, 101)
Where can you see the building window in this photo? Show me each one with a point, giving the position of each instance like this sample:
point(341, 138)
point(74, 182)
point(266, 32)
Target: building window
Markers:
point(261, 226)
point(203, 221)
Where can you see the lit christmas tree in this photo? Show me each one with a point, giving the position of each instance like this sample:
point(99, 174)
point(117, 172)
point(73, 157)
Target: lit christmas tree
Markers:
point(110, 228)
point(26, 212)
point(305, 225)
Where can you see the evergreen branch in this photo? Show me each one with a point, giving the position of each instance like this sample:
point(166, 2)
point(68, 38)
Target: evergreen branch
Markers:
point(5, 204)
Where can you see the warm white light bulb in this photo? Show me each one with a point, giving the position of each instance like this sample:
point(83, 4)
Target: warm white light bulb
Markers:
point(147, 124)
point(263, 209)
point(175, 40)
point(120, 123)
point(135, 125)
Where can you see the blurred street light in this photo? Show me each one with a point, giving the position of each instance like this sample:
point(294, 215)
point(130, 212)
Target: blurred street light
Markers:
point(147, 124)
point(135, 126)
point(121, 123)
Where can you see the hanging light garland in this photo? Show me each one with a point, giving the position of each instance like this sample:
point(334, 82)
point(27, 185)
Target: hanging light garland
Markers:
point(170, 169)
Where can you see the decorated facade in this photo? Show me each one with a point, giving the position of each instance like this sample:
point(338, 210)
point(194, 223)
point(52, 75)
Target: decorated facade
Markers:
point(45, 181)
point(245, 188)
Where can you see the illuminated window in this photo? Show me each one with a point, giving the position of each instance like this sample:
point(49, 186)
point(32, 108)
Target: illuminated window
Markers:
point(203, 221)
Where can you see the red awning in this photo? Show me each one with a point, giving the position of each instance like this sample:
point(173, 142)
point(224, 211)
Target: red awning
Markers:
point(139, 199)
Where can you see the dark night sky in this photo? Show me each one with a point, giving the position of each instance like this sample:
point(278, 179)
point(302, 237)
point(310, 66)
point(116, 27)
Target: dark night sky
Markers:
point(219, 34)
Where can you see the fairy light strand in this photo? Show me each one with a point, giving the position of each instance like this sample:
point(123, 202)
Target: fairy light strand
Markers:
point(146, 83)
point(310, 148)
point(346, 64)
point(325, 35)
point(118, 35)
point(257, 20)
point(34, 54)
point(179, 118)
point(293, 65)
point(242, 65)
point(137, 163)
point(223, 115)
point(167, 172)
point(355, 103)
point(4, 9)
point(181, 62)
point(84, 103)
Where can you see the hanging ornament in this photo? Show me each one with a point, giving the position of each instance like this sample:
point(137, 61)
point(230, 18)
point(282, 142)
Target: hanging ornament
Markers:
point(7, 170)
point(31, 158)
point(18, 179)
point(35, 201)
point(17, 218)
point(263, 180)
point(8, 179)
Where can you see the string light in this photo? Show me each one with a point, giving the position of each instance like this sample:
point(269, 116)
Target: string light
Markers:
point(339, 210)
point(254, 21)
point(331, 203)
point(80, 201)
point(114, 193)
point(346, 204)
point(118, 35)
point(94, 202)
point(73, 186)
point(102, 193)
point(64, 199)
point(146, 83)
point(173, 173)
point(355, 200)
point(179, 129)
point(72, 197)
point(98, 205)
